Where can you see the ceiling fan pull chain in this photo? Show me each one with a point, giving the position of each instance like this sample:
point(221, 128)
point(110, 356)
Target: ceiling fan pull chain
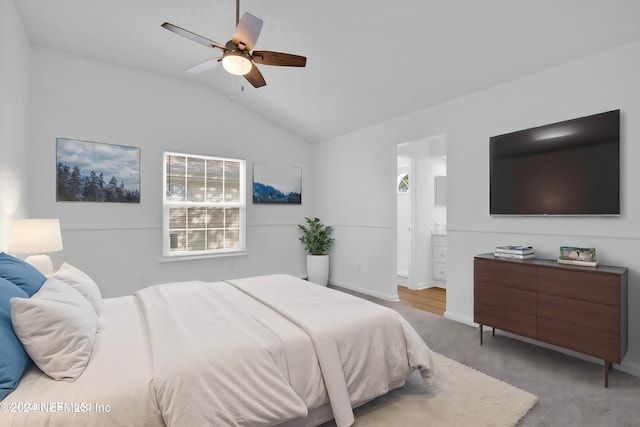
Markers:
point(232, 88)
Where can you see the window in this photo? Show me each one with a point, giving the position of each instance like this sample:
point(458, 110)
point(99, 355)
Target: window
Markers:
point(403, 183)
point(204, 205)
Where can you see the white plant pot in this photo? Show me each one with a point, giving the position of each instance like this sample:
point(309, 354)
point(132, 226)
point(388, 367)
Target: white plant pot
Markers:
point(318, 269)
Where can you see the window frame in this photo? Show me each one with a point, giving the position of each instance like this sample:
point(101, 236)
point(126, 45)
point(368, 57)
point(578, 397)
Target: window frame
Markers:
point(167, 204)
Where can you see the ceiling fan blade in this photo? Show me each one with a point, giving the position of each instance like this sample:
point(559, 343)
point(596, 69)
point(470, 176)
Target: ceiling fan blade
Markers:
point(268, 57)
point(192, 36)
point(204, 66)
point(255, 77)
point(247, 31)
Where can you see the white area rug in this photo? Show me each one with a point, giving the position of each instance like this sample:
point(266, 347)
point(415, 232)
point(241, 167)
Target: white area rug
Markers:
point(459, 396)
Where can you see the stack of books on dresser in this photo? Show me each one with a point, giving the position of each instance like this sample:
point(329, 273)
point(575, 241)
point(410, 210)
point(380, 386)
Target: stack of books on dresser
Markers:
point(514, 252)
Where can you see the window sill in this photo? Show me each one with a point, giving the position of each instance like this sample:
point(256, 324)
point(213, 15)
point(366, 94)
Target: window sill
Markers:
point(178, 258)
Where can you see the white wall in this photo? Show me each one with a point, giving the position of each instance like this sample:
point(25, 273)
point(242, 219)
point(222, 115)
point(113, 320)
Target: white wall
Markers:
point(355, 192)
point(365, 159)
point(119, 245)
point(14, 90)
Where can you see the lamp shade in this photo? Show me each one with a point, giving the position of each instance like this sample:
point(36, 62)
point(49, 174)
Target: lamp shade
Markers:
point(35, 236)
point(236, 63)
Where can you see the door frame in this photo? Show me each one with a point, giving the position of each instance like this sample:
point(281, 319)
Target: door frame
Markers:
point(411, 281)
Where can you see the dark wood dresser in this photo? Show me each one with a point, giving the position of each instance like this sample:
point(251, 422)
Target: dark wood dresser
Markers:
point(579, 308)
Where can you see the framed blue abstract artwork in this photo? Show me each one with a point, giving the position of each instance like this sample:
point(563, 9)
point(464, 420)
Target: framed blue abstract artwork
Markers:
point(277, 185)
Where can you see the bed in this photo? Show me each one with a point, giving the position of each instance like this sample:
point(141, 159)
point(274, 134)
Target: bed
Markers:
point(259, 351)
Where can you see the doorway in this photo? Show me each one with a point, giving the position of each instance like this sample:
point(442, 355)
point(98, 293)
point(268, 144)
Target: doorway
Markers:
point(433, 300)
point(421, 213)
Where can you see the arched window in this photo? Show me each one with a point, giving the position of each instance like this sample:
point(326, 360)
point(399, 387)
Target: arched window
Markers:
point(403, 183)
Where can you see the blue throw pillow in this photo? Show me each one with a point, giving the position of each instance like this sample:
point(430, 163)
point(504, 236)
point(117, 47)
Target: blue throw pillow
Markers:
point(21, 274)
point(14, 359)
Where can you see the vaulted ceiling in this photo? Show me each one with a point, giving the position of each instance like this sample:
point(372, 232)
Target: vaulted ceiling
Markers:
point(368, 61)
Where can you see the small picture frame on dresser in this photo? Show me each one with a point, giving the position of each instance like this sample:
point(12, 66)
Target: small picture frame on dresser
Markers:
point(578, 256)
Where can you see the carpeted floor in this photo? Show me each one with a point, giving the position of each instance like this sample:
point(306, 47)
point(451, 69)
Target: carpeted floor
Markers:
point(571, 390)
point(458, 396)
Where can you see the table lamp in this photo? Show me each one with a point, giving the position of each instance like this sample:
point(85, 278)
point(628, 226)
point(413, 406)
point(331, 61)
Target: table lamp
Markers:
point(36, 237)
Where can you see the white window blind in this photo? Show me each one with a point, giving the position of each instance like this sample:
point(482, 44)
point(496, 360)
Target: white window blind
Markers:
point(204, 205)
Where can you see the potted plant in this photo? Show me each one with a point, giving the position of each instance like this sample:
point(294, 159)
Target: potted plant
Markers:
point(317, 242)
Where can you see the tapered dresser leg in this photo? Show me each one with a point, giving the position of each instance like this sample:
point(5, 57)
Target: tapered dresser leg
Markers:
point(481, 334)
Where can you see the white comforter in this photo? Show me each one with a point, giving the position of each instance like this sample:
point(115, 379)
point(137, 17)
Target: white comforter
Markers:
point(364, 349)
point(220, 358)
point(233, 368)
point(251, 352)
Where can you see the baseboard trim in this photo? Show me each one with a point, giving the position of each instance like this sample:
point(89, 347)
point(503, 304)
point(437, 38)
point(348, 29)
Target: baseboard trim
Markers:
point(460, 319)
point(629, 368)
point(422, 286)
point(391, 298)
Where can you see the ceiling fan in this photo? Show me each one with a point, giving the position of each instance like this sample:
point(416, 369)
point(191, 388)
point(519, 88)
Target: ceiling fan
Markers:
point(237, 57)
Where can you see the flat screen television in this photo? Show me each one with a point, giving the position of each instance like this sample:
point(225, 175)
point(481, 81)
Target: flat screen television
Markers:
point(565, 168)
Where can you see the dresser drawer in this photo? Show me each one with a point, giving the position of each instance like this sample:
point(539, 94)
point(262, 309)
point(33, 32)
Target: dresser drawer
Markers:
point(585, 340)
point(510, 321)
point(440, 254)
point(439, 240)
point(439, 271)
point(505, 273)
point(504, 298)
point(586, 286)
point(598, 317)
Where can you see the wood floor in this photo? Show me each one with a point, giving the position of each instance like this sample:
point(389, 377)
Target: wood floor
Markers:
point(433, 300)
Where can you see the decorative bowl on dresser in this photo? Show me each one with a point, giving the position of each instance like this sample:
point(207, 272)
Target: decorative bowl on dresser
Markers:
point(583, 309)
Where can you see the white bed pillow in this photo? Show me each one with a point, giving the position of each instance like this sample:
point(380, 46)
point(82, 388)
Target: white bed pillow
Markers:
point(82, 283)
point(57, 327)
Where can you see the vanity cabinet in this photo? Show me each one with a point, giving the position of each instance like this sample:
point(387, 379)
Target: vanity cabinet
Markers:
point(439, 259)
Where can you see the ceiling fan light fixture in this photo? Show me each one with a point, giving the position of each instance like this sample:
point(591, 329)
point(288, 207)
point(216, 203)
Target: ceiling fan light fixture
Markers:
point(236, 63)
point(238, 57)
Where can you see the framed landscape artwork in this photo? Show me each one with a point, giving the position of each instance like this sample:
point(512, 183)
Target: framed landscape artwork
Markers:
point(96, 172)
point(277, 185)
